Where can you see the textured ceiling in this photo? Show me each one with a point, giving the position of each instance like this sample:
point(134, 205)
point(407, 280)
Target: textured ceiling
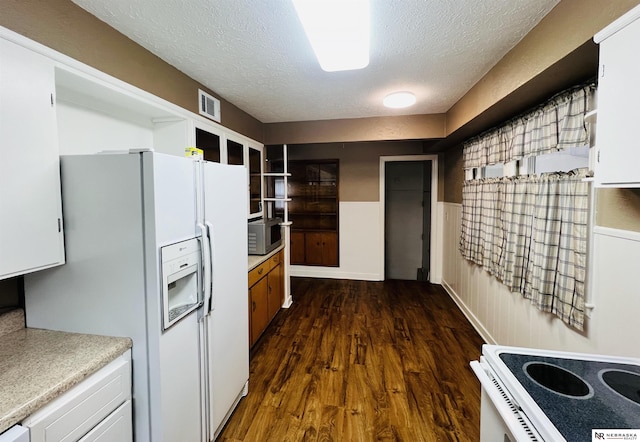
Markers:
point(254, 53)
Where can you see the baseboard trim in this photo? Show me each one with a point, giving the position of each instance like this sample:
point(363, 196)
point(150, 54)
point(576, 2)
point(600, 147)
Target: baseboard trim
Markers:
point(332, 273)
point(475, 322)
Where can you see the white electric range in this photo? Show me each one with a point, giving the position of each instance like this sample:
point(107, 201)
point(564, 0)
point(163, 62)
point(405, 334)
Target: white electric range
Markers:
point(541, 395)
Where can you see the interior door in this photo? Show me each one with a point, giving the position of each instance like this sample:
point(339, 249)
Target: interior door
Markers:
point(405, 220)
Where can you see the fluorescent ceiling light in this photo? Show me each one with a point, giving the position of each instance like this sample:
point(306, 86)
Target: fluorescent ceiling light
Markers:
point(338, 31)
point(399, 100)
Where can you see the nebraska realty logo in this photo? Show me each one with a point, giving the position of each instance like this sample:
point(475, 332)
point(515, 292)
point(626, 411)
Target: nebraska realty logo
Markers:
point(598, 435)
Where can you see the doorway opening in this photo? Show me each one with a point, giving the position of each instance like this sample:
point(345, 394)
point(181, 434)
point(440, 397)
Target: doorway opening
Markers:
point(408, 193)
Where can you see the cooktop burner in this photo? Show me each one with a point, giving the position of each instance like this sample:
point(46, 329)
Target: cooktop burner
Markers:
point(580, 395)
point(558, 380)
point(625, 383)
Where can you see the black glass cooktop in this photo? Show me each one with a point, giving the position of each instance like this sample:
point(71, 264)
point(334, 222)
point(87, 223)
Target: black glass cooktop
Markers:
point(578, 395)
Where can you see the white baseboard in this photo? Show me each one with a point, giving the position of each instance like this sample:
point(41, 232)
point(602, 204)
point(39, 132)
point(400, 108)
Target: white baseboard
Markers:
point(288, 302)
point(332, 273)
point(475, 322)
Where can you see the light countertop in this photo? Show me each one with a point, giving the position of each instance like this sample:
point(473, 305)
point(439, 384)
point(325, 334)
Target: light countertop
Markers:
point(37, 366)
point(256, 260)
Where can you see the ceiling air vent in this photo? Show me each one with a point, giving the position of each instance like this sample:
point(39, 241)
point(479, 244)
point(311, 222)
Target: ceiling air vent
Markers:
point(208, 106)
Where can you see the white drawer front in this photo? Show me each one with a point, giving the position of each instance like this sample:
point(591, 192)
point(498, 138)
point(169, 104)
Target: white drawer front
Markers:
point(117, 427)
point(70, 416)
point(16, 433)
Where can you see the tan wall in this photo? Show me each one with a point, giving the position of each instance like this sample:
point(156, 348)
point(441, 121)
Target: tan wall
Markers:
point(67, 28)
point(359, 164)
point(618, 209)
point(409, 127)
point(452, 175)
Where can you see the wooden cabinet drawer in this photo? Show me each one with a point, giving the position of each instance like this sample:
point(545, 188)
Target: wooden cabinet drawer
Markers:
point(276, 259)
point(259, 272)
point(72, 415)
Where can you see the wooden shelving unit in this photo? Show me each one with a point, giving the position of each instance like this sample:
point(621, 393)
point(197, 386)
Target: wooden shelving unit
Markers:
point(313, 211)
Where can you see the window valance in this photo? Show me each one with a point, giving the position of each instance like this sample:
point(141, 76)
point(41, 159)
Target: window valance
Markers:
point(555, 125)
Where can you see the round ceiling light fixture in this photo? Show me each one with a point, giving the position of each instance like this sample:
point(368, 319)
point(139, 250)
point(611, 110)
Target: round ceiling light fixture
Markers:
point(398, 100)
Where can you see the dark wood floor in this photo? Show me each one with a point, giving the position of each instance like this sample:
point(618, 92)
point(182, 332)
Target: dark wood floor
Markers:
point(362, 361)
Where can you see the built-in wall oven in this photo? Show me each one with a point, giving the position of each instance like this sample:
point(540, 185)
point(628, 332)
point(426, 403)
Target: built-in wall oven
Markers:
point(540, 395)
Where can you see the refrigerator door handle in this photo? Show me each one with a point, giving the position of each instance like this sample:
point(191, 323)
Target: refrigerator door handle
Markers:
point(212, 297)
point(205, 400)
point(206, 264)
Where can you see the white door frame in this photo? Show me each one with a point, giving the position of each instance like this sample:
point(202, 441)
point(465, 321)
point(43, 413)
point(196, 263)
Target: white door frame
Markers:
point(435, 245)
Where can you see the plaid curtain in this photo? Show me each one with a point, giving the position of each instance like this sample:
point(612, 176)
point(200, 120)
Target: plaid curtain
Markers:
point(553, 126)
point(559, 246)
point(480, 222)
point(530, 232)
point(517, 222)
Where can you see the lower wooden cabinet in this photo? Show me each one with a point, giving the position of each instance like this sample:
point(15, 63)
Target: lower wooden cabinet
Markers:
point(314, 248)
point(296, 244)
point(275, 292)
point(259, 312)
point(266, 294)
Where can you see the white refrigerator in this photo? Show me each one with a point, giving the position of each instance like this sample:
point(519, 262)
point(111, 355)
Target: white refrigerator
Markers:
point(120, 210)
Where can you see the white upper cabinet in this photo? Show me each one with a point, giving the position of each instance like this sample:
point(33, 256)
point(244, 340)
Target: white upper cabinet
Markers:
point(31, 235)
point(617, 142)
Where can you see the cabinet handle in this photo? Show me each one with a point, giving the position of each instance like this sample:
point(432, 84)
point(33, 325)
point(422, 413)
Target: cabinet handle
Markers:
point(253, 306)
point(260, 270)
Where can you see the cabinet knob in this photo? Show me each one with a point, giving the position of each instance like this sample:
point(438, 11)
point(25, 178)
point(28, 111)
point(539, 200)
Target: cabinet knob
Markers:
point(260, 270)
point(253, 306)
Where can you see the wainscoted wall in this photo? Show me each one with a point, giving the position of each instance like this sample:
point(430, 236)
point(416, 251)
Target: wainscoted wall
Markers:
point(507, 318)
point(360, 251)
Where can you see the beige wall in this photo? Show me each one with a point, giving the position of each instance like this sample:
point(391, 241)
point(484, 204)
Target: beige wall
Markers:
point(452, 175)
point(618, 209)
point(409, 127)
point(65, 27)
point(359, 163)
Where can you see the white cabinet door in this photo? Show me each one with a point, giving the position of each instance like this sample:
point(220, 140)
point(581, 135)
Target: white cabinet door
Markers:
point(30, 199)
point(617, 142)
